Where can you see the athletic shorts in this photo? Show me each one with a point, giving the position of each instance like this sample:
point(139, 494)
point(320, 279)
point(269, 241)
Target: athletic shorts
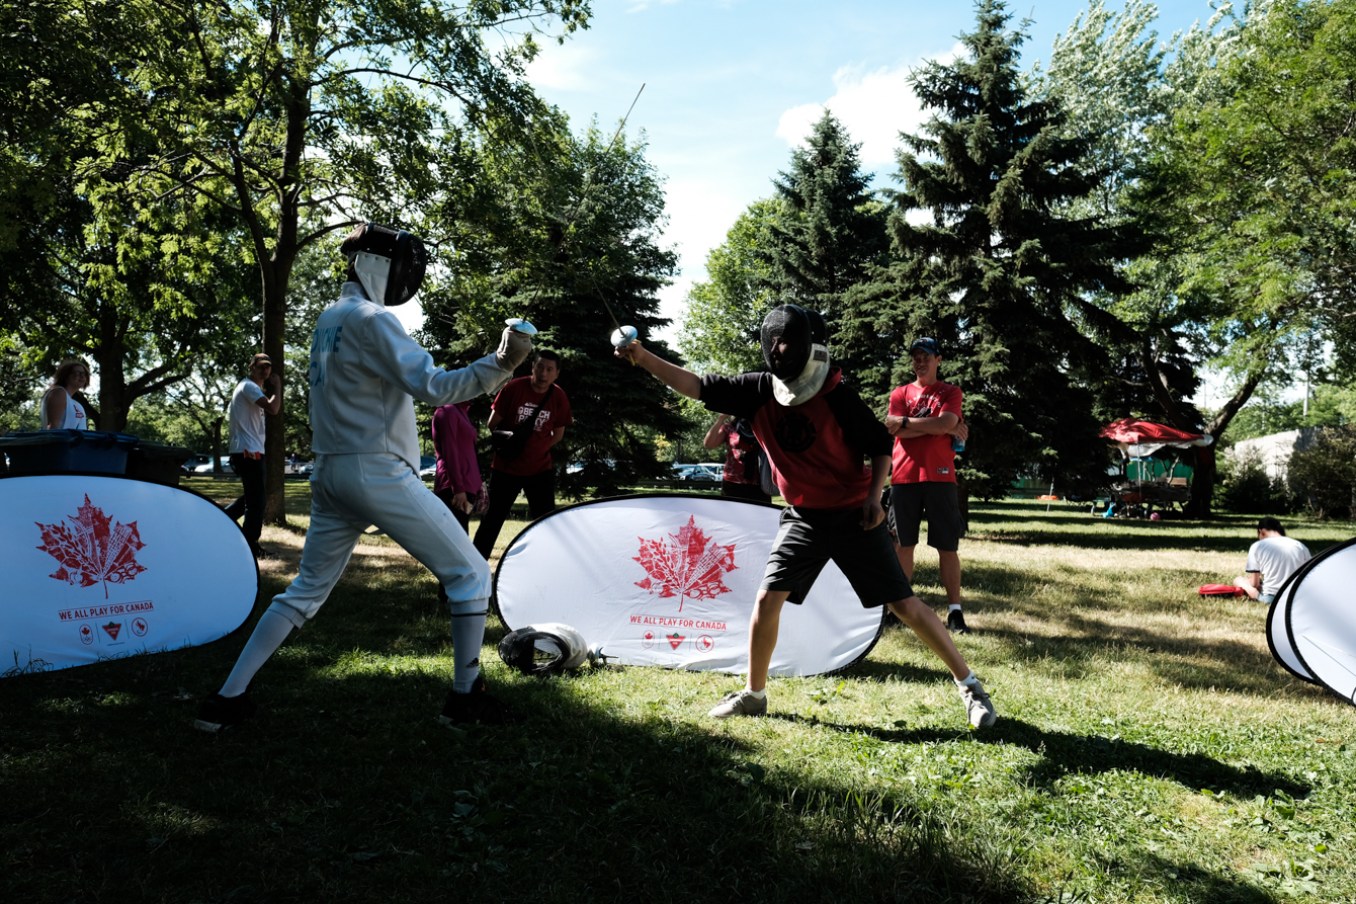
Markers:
point(808, 539)
point(939, 501)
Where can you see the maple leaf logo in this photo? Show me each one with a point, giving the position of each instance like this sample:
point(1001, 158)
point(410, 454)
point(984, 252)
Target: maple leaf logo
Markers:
point(91, 547)
point(688, 565)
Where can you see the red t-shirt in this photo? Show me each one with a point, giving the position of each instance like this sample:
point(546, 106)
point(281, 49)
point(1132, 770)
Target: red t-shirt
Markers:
point(924, 459)
point(512, 404)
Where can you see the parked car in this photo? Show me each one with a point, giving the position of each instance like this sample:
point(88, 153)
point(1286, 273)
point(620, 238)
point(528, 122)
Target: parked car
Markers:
point(428, 467)
point(703, 472)
point(197, 458)
point(298, 468)
point(206, 467)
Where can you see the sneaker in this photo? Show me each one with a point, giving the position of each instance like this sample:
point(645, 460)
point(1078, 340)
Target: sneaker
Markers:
point(739, 703)
point(218, 712)
point(978, 707)
point(955, 621)
point(476, 705)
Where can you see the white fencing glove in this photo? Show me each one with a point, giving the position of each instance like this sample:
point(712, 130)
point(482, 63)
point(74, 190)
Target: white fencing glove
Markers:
point(514, 347)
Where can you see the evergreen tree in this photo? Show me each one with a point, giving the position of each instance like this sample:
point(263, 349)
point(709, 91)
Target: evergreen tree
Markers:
point(724, 313)
point(831, 234)
point(571, 242)
point(1000, 272)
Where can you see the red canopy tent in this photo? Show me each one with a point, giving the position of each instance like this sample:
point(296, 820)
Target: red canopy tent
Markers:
point(1139, 439)
point(1134, 431)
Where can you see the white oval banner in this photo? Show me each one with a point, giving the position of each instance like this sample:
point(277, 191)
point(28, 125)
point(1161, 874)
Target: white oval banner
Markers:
point(1318, 612)
point(106, 567)
point(670, 580)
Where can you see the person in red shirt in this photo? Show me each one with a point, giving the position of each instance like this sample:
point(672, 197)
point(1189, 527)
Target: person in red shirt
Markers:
point(923, 418)
point(533, 470)
point(741, 476)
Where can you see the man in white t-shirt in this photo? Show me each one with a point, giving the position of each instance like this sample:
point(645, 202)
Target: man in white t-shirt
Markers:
point(1271, 561)
point(258, 395)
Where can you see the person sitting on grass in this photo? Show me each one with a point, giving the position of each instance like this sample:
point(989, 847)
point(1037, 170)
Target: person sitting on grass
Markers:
point(816, 431)
point(1271, 561)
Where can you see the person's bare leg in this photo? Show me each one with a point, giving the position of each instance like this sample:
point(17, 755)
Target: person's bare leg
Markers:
point(929, 628)
point(905, 555)
point(949, 569)
point(763, 630)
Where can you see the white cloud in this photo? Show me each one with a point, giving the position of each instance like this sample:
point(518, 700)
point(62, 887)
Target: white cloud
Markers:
point(874, 106)
point(563, 67)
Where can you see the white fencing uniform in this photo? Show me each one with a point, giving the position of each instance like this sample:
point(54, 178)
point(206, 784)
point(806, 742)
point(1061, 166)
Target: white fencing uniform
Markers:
point(363, 373)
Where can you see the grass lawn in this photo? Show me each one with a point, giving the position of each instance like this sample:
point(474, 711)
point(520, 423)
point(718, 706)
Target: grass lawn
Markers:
point(1148, 750)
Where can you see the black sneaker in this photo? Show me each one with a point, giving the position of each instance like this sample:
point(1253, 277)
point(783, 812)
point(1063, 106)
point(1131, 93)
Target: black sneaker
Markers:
point(218, 712)
point(955, 621)
point(476, 705)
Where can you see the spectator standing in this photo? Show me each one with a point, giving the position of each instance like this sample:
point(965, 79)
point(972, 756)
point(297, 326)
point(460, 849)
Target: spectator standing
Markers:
point(255, 397)
point(742, 474)
point(456, 477)
point(1271, 561)
point(61, 410)
point(537, 406)
point(922, 417)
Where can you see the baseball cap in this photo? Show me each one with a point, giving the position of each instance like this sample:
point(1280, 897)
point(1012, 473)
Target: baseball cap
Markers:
point(261, 359)
point(927, 344)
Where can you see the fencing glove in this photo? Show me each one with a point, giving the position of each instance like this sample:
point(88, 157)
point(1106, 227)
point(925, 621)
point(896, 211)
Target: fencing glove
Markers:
point(514, 347)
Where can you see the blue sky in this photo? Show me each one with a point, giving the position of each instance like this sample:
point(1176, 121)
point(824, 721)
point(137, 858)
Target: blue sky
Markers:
point(731, 86)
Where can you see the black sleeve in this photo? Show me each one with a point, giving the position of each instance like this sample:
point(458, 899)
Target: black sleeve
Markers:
point(740, 396)
point(861, 428)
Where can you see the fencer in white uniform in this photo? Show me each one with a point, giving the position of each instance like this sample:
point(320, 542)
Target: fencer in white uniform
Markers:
point(364, 373)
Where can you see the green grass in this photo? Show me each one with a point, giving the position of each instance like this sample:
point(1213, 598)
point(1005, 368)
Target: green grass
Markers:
point(1149, 751)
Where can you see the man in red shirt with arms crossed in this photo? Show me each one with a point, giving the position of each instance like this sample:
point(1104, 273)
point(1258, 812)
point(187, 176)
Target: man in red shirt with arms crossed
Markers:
point(923, 416)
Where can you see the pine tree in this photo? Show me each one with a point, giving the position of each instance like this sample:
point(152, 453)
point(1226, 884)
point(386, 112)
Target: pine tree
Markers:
point(999, 272)
point(832, 233)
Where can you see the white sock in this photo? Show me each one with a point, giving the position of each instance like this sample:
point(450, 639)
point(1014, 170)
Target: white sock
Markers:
point(468, 633)
point(268, 635)
point(757, 695)
point(954, 607)
point(968, 681)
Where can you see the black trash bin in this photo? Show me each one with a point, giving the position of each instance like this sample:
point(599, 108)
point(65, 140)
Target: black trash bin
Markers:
point(66, 452)
point(157, 463)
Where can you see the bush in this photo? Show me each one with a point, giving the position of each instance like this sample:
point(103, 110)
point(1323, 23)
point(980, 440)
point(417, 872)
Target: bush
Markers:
point(1323, 477)
point(1245, 486)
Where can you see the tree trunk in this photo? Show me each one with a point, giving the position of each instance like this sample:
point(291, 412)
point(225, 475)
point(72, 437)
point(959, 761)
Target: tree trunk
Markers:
point(275, 313)
point(1203, 482)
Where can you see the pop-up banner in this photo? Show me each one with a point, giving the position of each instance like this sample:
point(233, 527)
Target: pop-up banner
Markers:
point(1311, 626)
point(670, 580)
point(106, 567)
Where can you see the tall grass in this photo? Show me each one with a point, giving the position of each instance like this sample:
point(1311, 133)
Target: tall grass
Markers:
point(1149, 751)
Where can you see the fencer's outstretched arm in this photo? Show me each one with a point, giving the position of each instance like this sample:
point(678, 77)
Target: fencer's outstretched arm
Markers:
point(677, 378)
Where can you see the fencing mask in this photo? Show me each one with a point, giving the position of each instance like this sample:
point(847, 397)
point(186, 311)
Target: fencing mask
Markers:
point(544, 649)
point(795, 347)
point(389, 263)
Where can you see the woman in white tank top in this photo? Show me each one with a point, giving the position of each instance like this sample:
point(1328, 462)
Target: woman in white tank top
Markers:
point(60, 410)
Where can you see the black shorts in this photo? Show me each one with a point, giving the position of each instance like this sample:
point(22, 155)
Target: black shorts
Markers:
point(808, 539)
point(910, 501)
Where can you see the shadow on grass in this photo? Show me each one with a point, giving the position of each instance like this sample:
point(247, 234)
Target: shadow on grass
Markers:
point(1063, 753)
point(346, 789)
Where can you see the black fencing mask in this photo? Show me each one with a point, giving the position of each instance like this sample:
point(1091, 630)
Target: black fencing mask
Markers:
point(390, 263)
point(796, 352)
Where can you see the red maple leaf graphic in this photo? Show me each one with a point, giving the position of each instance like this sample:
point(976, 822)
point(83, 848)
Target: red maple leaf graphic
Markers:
point(91, 547)
point(688, 565)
